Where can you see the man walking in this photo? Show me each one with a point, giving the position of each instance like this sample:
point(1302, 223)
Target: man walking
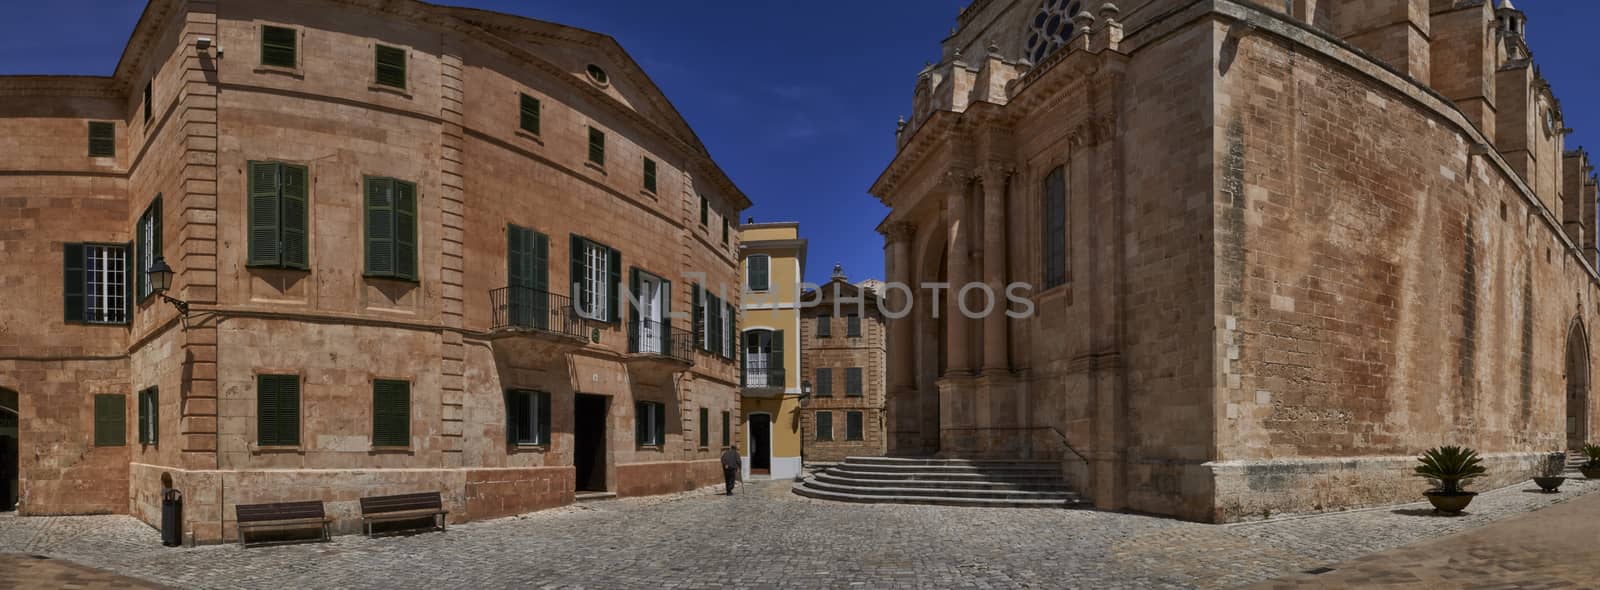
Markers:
point(730, 467)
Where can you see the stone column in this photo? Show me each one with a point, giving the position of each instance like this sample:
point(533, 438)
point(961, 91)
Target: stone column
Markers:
point(996, 359)
point(958, 272)
point(902, 356)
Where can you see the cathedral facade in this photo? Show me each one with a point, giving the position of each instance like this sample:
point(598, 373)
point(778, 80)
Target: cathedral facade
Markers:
point(1272, 250)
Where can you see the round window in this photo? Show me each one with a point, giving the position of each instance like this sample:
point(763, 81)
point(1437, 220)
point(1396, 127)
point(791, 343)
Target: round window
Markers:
point(598, 75)
point(1050, 28)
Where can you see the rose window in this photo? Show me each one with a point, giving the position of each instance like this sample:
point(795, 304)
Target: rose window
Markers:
point(1050, 28)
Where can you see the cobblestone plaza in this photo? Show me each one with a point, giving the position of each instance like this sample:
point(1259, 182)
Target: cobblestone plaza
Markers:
point(766, 537)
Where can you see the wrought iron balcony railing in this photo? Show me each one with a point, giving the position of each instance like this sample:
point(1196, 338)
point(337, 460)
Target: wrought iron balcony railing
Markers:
point(762, 377)
point(651, 337)
point(527, 308)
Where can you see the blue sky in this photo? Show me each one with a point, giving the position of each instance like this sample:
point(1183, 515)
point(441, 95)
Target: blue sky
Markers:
point(797, 101)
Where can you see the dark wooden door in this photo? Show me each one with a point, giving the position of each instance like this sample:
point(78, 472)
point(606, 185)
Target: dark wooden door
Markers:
point(589, 442)
point(760, 443)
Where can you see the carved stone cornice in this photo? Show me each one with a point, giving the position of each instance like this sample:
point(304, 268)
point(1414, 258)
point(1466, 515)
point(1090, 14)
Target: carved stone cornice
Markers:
point(1093, 130)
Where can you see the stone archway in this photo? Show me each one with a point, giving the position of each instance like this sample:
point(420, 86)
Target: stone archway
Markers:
point(10, 422)
point(1577, 407)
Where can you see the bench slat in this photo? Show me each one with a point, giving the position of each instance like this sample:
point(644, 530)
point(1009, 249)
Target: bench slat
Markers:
point(278, 511)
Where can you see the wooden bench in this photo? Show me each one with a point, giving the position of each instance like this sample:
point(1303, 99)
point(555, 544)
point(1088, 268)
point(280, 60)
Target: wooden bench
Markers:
point(280, 516)
point(378, 509)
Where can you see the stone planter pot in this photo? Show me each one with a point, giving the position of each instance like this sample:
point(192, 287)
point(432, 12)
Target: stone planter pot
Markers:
point(1590, 472)
point(1452, 503)
point(1549, 484)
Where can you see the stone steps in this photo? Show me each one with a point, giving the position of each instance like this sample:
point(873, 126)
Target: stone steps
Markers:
point(944, 482)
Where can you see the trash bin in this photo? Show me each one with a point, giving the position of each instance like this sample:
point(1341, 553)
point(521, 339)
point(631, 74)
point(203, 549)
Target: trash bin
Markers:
point(171, 517)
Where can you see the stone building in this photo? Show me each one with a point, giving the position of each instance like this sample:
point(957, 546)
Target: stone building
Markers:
point(842, 355)
point(1273, 249)
point(773, 257)
point(406, 236)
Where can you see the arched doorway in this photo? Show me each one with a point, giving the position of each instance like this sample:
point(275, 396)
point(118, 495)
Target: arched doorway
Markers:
point(10, 414)
point(1577, 423)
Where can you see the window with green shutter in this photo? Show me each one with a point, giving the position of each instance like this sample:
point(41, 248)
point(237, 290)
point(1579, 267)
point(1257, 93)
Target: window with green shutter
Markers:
point(825, 326)
point(756, 272)
point(110, 420)
point(147, 247)
point(705, 210)
point(278, 46)
point(391, 221)
point(278, 215)
point(530, 114)
point(705, 428)
point(149, 417)
point(852, 326)
point(649, 175)
point(852, 382)
point(597, 146)
point(102, 139)
point(596, 278)
point(824, 426)
point(528, 277)
point(278, 410)
point(96, 285)
point(390, 66)
point(649, 424)
point(824, 385)
point(727, 429)
point(527, 418)
point(391, 413)
point(852, 426)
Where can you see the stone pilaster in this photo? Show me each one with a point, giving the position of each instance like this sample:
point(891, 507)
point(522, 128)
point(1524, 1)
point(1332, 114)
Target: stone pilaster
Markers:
point(996, 357)
point(196, 118)
point(452, 200)
point(958, 271)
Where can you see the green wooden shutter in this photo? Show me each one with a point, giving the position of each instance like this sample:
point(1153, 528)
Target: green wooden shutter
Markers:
point(518, 259)
point(278, 46)
point(265, 208)
point(757, 269)
point(697, 325)
point(267, 410)
point(705, 427)
point(824, 384)
point(853, 327)
point(541, 280)
point(110, 420)
point(824, 425)
point(852, 427)
point(714, 333)
point(155, 415)
point(613, 284)
point(380, 226)
point(705, 211)
point(102, 139)
point(511, 399)
point(72, 283)
point(824, 326)
point(852, 381)
point(543, 398)
point(634, 320)
point(530, 114)
point(292, 240)
point(641, 417)
point(405, 230)
point(142, 406)
point(661, 424)
point(731, 325)
point(391, 413)
point(727, 429)
point(391, 66)
point(575, 278)
point(597, 146)
point(666, 317)
point(777, 361)
point(649, 175)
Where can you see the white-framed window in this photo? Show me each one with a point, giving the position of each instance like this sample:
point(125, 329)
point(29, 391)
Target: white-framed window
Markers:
point(650, 424)
point(105, 284)
point(528, 417)
point(596, 286)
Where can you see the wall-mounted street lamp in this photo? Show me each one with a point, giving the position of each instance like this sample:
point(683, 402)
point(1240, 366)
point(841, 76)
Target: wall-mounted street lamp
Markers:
point(161, 280)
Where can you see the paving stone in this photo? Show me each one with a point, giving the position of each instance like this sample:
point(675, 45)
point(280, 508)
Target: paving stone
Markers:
point(766, 537)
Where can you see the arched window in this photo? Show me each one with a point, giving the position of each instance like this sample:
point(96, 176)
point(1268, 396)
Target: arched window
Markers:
point(1050, 28)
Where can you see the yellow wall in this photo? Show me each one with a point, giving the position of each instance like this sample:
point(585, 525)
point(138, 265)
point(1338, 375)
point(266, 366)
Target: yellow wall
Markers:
point(776, 309)
point(785, 423)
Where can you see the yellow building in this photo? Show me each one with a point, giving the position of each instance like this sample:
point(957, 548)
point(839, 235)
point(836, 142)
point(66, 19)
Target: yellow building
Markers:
point(771, 256)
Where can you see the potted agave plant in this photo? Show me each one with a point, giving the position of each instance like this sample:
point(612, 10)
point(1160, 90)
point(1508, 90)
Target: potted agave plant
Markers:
point(1591, 469)
point(1550, 478)
point(1450, 468)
